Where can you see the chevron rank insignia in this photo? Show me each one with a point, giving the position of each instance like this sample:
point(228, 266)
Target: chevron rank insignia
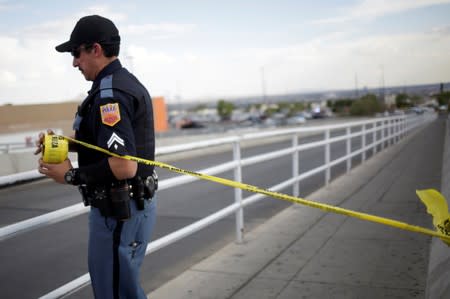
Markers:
point(114, 141)
point(110, 114)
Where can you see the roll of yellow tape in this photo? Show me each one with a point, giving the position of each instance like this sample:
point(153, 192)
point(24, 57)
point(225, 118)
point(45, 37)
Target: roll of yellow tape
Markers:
point(55, 149)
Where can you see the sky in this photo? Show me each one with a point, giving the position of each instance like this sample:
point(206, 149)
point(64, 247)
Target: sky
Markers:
point(189, 50)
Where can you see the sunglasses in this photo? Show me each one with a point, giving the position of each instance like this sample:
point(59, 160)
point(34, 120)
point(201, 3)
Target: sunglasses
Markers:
point(76, 52)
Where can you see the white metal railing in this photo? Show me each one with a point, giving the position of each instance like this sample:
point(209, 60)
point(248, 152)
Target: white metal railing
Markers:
point(383, 131)
point(20, 142)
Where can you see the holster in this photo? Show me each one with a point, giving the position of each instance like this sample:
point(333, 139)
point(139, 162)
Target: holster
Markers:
point(114, 201)
point(120, 200)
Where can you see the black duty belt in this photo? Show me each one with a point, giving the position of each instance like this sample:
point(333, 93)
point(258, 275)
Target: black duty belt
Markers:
point(103, 197)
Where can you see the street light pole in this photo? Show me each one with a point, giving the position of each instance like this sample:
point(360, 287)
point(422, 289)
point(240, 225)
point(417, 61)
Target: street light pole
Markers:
point(263, 86)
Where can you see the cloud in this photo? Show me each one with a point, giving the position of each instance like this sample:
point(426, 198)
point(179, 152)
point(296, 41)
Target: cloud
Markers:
point(103, 10)
point(162, 27)
point(32, 71)
point(441, 30)
point(372, 9)
point(8, 6)
point(7, 77)
point(143, 56)
point(326, 63)
point(159, 31)
point(61, 28)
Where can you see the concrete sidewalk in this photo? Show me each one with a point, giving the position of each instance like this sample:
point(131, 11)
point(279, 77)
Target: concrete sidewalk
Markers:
point(307, 253)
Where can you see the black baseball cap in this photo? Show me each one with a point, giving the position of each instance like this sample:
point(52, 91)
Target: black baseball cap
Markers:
point(91, 29)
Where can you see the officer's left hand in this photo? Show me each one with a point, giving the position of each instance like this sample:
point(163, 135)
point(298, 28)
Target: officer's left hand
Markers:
point(40, 140)
point(55, 171)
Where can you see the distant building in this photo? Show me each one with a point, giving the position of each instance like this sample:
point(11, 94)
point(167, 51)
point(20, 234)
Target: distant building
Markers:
point(389, 100)
point(160, 114)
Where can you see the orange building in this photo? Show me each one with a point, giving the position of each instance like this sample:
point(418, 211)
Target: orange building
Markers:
point(160, 114)
point(22, 118)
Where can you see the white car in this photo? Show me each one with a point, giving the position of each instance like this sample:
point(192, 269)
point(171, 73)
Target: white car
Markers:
point(296, 120)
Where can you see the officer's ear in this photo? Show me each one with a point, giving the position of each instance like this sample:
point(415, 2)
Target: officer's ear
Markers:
point(97, 49)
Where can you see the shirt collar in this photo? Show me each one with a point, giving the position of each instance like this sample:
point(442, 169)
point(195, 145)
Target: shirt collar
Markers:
point(107, 70)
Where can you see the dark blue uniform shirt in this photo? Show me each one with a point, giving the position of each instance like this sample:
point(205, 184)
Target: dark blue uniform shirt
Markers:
point(117, 109)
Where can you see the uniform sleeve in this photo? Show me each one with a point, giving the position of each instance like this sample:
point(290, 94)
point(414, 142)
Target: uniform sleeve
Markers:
point(115, 114)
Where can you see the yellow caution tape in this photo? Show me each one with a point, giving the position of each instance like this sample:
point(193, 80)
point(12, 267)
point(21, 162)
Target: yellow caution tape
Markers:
point(438, 208)
point(55, 149)
point(293, 199)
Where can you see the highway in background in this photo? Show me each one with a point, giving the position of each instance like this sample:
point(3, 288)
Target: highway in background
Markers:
point(39, 261)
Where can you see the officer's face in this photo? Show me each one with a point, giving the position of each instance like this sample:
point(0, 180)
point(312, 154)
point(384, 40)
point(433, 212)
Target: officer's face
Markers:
point(84, 60)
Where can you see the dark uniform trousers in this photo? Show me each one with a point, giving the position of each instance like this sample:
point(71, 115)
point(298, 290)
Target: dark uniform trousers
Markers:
point(116, 251)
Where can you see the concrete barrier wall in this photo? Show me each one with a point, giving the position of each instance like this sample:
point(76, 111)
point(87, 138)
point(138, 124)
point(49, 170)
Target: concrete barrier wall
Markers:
point(438, 281)
point(16, 162)
point(20, 162)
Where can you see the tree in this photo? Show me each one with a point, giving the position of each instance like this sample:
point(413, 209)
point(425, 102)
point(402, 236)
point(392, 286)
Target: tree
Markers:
point(284, 106)
point(270, 111)
point(341, 106)
point(296, 108)
point(225, 109)
point(200, 107)
point(402, 100)
point(416, 100)
point(367, 105)
point(443, 98)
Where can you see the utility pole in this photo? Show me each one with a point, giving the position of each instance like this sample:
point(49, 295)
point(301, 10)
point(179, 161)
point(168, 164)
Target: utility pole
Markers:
point(382, 84)
point(356, 86)
point(263, 86)
point(178, 96)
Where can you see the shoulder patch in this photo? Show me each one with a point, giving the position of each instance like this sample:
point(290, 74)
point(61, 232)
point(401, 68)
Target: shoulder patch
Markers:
point(110, 114)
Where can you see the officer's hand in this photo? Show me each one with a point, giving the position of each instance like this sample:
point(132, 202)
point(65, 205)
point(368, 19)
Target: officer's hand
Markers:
point(55, 171)
point(40, 141)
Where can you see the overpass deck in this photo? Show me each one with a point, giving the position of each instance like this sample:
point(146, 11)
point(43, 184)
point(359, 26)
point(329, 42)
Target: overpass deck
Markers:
point(307, 253)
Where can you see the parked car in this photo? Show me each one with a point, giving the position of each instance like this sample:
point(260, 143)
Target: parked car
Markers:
point(188, 123)
point(306, 114)
point(296, 120)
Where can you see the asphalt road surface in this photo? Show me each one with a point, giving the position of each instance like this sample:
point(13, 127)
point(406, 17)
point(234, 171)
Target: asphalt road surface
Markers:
point(39, 261)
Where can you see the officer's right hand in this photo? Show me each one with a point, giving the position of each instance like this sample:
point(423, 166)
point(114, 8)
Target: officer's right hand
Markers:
point(40, 140)
point(55, 171)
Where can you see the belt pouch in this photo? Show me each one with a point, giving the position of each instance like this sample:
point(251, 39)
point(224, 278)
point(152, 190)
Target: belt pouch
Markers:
point(87, 200)
point(138, 193)
point(120, 202)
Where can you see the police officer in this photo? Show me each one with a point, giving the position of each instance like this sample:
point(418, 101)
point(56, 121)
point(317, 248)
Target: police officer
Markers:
point(117, 115)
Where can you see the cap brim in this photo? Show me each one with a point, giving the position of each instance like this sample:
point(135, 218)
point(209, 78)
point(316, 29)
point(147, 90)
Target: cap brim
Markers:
point(65, 47)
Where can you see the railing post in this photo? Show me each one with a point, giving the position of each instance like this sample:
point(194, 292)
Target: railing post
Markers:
point(327, 157)
point(383, 128)
point(397, 130)
point(295, 170)
point(363, 143)
point(388, 128)
point(391, 132)
point(406, 124)
point(349, 148)
point(402, 127)
point(238, 192)
point(374, 137)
